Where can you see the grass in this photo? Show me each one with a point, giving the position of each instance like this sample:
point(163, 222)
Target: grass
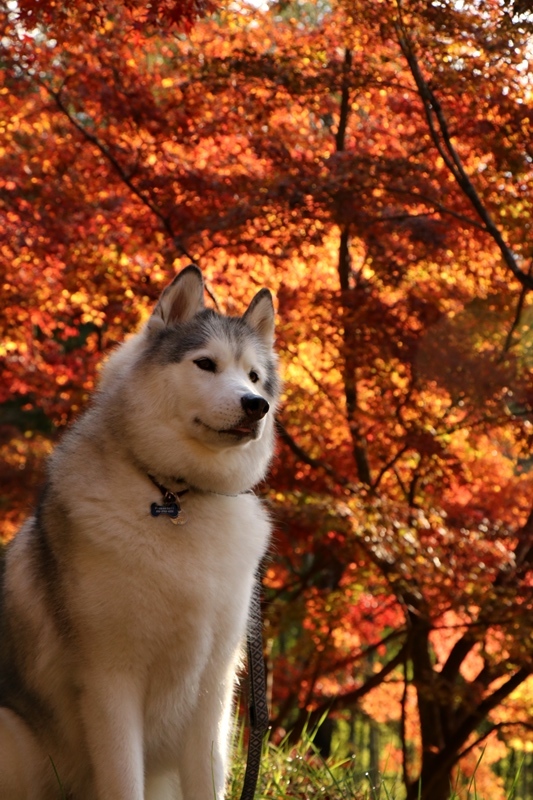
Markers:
point(300, 773)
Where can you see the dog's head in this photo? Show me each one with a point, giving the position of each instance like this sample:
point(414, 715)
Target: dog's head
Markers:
point(205, 388)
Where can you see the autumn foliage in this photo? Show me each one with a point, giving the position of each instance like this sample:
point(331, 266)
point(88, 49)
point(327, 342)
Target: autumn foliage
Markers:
point(370, 161)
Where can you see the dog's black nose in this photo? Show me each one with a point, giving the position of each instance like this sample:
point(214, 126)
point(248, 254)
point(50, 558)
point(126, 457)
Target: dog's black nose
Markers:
point(254, 406)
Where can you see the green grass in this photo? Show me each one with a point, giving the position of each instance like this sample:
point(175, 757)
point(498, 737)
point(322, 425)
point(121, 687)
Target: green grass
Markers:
point(300, 773)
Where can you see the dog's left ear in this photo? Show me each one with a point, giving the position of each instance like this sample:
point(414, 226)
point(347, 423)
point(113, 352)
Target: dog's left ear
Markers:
point(181, 300)
point(260, 316)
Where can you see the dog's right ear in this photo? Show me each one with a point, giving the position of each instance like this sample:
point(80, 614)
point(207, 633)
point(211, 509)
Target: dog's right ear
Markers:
point(181, 299)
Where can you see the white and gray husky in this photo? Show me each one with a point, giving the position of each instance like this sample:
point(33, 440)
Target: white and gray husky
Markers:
point(121, 631)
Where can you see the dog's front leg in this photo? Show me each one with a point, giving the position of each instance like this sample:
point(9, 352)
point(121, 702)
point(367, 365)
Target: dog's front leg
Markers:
point(204, 757)
point(112, 719)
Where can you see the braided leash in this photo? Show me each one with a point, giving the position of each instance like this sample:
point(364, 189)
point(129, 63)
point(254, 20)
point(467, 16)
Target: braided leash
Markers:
point(257, 701)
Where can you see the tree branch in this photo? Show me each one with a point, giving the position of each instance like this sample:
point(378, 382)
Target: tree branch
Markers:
point(316, 463)
point(450, 753)
point(344, 271)
point(347, 699)
point(119, 169)
point(496, 727)
point(442, 139)
point(518, 313)
point(440, 207)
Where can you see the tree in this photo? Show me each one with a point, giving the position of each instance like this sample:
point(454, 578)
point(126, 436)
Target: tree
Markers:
point(371, 162)
point(94, 14)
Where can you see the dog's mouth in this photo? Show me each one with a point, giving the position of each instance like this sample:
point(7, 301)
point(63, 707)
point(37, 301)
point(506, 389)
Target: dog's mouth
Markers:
point(241, 432)
point(245, 430)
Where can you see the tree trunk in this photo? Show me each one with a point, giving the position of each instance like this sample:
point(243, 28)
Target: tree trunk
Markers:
point(431, 785)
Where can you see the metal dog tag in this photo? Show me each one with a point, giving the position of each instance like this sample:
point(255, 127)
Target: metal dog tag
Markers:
point(172, 510)
point(170, 507)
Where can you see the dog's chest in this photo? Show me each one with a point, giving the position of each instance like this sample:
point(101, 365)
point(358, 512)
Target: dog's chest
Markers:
point(160, 593)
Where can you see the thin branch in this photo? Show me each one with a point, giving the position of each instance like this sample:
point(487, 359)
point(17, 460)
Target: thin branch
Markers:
point(516, 321)
point(349, 661)
point(442, 139)
point(352, 697)
point(316, 463)
point(317, 671)
point(125, 177)
point(440, 207)
point(486, 616)
point(347, 699)
point(449, 754)
point(333, 401)
point(388, 466)
point(496, 727)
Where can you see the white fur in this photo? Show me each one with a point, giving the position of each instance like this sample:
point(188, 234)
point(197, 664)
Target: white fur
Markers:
point(142, 685)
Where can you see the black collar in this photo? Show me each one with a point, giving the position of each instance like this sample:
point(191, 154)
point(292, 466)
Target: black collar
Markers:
point(164, 491)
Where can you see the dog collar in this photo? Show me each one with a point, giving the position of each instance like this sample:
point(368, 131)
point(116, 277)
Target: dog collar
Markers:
point(171, 505)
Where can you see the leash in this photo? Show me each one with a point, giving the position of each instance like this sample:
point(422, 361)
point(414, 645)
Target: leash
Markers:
point(257, 698)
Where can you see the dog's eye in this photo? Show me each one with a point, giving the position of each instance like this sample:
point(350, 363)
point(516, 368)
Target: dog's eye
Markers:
point(207, 364)
point(254, 377)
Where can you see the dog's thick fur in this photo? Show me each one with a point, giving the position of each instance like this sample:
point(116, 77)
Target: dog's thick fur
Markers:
point(121, 632)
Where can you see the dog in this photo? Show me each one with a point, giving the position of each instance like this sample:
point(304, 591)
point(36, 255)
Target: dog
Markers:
point(125, 597)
